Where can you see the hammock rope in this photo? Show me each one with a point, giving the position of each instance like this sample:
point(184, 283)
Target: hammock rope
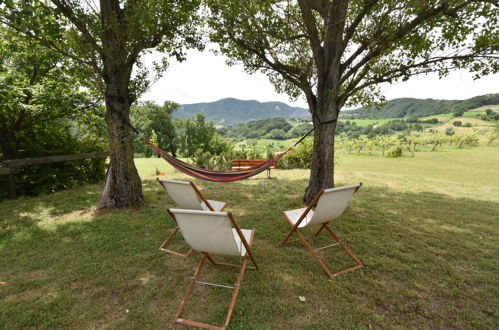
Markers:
point(213, 175)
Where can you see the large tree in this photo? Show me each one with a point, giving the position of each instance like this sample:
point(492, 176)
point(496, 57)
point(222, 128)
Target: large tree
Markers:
point(109, 39)
point(336, 53)
point(37, 87)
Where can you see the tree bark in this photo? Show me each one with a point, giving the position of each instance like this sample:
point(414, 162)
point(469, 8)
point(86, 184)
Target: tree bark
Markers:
point(123, 186)
point(322, 170)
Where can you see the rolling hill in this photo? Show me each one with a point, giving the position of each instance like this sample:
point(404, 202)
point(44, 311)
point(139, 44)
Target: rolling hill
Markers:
point(232, 111)
point(410, 107)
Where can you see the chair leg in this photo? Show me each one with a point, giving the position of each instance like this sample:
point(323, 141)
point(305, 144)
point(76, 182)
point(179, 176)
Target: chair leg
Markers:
point(165, 243)
point(189, 290)
point(315, 254)
point(288, 235)
point(320, 229)
point(179, 320)
point(347, 250)
point(236, 291)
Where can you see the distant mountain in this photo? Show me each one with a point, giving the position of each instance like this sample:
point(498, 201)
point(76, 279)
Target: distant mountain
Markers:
point(232, 111)
point(408, 107)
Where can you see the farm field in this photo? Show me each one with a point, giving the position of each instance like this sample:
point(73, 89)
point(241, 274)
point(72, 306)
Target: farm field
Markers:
point(367, 122)
point(262, 144)
point(427, 227)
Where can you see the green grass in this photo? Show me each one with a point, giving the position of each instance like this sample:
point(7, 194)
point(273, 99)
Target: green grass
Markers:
point(427, 227)
point(493, 107)
point(367, 122)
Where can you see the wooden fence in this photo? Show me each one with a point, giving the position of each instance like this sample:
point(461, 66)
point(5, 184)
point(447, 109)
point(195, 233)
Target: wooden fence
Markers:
point(13, 166)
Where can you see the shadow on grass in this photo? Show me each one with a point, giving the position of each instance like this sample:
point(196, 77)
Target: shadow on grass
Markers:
point(432, 262)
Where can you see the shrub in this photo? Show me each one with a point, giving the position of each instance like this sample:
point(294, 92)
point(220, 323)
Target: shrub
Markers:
point(394, 152)
point(468, 124)
point(47, 178)
point(457, 123)
point(431, 121)
point(449, 131)
point(300, 157)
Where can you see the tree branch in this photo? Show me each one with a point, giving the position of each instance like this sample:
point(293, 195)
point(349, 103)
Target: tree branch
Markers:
point(52, 46)
point(400, 33)
point(313, 34)
point(66, 10)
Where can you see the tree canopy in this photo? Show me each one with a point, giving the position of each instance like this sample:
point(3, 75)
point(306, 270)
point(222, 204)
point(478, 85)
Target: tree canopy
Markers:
point(38, 86)
point(336, 53)
point(109, 40)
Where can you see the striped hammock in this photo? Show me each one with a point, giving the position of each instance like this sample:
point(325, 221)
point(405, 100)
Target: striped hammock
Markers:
point(212, 175)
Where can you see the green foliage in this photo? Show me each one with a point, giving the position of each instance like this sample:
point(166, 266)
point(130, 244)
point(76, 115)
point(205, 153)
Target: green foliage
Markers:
point(223, 160)
point(494, 134)
point(44, 111)
point(449, 131)
point(51, 139)
point(194, 134)
point(489, 115)
point(156, 122)
point(38, 86)
point(457, 123)
point(348, 129)
point(300, 156)
point(274, 128)
point(298, 44)
point(396, 145)
point(394, 152)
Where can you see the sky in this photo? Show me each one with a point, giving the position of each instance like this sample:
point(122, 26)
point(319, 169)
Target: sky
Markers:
point(204, 77)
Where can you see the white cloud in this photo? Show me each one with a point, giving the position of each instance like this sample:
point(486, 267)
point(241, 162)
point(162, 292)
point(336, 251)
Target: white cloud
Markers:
point(204, 77)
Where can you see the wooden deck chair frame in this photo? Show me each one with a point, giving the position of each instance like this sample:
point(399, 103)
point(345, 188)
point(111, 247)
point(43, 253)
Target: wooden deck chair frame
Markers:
point(194, 279)
point(325, 225)
point(177, 229)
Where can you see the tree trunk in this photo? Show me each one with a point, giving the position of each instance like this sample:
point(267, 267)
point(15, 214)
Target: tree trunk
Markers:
point(123, 185)
point(322, 171)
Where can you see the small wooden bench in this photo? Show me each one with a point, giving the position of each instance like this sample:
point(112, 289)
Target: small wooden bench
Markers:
point(243, 164)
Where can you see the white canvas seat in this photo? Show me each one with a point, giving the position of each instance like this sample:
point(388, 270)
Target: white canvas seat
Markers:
point(329, 205)
point(216, 205)
point(186, 195)
point(213, 233)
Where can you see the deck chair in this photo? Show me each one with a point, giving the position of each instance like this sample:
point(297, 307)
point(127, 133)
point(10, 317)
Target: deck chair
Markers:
point(329, 205)
point(187, 196)
point(213, 233)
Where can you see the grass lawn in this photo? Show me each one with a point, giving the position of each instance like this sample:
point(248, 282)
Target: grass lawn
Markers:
point(427, 227)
